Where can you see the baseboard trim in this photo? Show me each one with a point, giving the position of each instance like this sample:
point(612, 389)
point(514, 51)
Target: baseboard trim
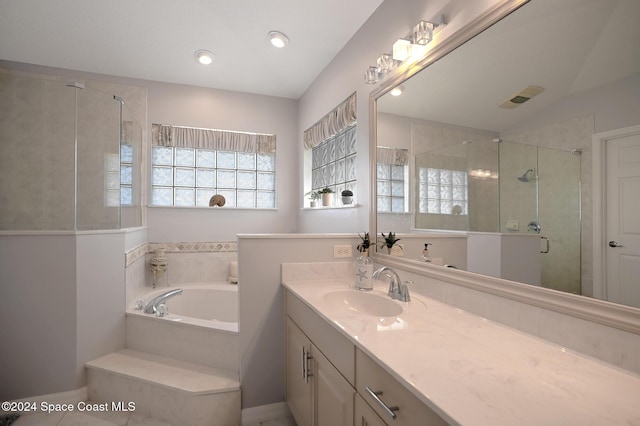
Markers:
point(69, 397)
point(262, 413)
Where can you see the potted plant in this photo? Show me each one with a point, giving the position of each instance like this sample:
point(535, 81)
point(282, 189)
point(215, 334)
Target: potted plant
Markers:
point(389, 241)
point(327, 196)
point(347, 196)
point(314, 196)
point(365, 244)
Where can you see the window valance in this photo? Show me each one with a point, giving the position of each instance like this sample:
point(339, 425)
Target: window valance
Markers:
point(221, 140)
point(341, 117)
point(394, 156)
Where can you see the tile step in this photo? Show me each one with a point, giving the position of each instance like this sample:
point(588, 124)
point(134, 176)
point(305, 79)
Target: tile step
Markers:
point(166, 372)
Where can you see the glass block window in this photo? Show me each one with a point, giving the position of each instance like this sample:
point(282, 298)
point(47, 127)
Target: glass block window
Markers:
point(391, 188)
point(189, 177)
point(442, 191)
point(334, 162)
point(126, 175)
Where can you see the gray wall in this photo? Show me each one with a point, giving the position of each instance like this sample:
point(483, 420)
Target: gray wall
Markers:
point(221, 109)
point(261, 315)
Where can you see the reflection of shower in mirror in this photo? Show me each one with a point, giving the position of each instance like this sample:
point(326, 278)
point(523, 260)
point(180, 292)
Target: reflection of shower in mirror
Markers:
point(529, 174)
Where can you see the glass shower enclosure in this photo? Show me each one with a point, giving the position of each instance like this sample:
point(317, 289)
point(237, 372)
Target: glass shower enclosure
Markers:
point(507, 187)
point(540, 193)
point(69, 157)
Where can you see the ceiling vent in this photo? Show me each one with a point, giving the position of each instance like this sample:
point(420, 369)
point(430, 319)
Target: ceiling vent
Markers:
point(521, 97)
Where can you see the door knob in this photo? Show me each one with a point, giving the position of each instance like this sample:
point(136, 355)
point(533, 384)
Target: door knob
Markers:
point(614, 244)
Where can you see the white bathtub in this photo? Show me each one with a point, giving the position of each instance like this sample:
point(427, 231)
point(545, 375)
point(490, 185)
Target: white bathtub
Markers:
point(213, 305)
point(201, 327)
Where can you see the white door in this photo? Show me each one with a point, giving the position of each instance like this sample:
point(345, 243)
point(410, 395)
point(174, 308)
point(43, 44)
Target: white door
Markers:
point(622, 210)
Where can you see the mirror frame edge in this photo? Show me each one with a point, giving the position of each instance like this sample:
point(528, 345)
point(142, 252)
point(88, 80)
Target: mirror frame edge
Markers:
point(621, 317)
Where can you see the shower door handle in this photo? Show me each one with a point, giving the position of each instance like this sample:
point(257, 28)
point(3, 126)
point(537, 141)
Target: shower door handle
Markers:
point(614, 244)
point(546, 240)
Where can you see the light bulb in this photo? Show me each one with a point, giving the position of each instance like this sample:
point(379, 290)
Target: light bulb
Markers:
point(278, 39)
point(204, 57)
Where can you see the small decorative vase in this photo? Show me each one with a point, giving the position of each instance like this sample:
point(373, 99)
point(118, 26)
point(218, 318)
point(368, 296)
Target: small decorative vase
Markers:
point(396, 250)
point(313, 203)
point(347, 199)
point(363, 278)
point(327, 199)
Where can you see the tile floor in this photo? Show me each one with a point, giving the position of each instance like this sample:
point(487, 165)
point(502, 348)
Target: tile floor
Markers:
point(109, 419)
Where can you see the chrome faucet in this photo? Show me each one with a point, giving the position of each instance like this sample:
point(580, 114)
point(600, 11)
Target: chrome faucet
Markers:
point(397, 290)
point(152, 306)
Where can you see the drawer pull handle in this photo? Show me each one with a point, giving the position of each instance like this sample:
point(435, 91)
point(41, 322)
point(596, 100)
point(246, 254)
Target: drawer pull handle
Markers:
point(376, 397)
point(306, 356)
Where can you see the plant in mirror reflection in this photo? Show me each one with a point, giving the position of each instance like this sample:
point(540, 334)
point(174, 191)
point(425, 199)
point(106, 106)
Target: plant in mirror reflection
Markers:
point(390, 239)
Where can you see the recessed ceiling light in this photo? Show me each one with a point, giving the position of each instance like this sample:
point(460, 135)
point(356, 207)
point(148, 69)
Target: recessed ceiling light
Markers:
point(397, 91)
point(278, 39)
point(204, 57)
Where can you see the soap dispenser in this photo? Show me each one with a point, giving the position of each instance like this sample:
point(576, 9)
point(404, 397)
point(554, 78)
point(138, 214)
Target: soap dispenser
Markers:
point(425, 253)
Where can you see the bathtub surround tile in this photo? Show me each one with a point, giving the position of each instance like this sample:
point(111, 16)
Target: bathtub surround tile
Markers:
point(135, 254)
point(198, 267)
point(203, 346)
point(167, 390)
point(188, 262)
point(195, 247)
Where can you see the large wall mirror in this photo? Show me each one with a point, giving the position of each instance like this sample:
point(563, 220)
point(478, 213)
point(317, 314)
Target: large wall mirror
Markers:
point(488, 154)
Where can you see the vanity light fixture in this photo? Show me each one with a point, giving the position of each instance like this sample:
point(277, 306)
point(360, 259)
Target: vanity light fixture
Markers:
point(423, 32)
point(405, 48)
point(204, 57)
point(371, 75)
point(386, 63)
point(278, 39)
point(401, 49)
point(397, 91)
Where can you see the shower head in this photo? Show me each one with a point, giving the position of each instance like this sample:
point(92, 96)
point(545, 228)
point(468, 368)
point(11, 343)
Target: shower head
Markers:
point(525, 176)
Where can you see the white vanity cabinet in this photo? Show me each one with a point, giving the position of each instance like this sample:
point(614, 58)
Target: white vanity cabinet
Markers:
point(388, 398)
point(331, 383)
point(318, 393)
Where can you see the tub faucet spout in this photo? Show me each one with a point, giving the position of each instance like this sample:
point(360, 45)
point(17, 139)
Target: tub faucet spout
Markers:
point(152, 306)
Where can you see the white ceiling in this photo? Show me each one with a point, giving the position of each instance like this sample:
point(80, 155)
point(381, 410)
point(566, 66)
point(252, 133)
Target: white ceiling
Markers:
point(563, 46)
point(157, 39)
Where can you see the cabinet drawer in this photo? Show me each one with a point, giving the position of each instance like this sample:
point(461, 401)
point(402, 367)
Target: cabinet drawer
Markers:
point(331, 343)
point(364, 415)
point(410, 410)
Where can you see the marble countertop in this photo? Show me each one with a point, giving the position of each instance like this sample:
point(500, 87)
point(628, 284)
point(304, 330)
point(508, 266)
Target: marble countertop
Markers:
point(473, 371)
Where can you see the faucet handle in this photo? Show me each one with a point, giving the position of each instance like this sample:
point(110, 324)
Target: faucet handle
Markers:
point(404, 291)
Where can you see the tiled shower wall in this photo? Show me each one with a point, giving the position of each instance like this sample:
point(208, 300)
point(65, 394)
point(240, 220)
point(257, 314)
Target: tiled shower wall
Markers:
point(187, 262)
point(37, 134)
point(569, 135)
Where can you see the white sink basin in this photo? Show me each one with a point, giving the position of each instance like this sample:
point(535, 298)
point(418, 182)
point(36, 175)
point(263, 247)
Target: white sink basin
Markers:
point(363, 303)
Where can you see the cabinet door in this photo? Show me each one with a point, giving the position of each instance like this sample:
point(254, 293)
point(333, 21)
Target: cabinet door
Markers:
point(298, 379)
point(365, 416)
point(334, 396)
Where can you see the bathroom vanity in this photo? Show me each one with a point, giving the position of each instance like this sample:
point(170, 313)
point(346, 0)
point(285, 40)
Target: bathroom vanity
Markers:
point(358, 358)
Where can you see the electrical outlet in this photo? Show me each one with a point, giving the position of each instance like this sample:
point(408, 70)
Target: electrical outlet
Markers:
point(342, 251)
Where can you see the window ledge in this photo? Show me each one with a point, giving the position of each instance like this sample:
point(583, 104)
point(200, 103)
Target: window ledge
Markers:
point(350, 206)
point(213, 208)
